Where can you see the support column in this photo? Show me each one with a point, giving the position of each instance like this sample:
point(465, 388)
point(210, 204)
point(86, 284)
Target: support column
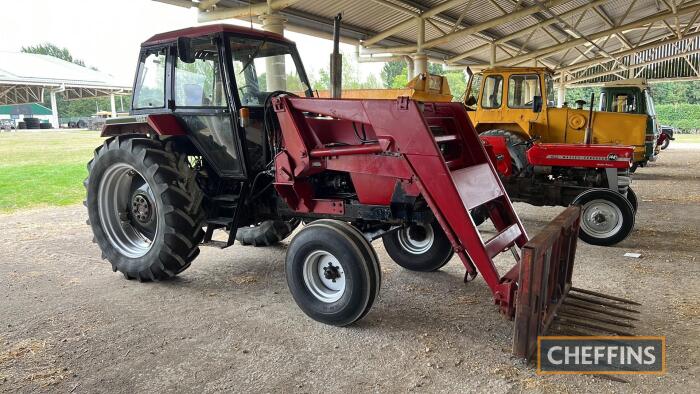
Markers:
point(493, 55)
point(54, 110)
point(114, 106)
point(274, 65)
point(420, 60)
point(409, 68)
point(561, 90)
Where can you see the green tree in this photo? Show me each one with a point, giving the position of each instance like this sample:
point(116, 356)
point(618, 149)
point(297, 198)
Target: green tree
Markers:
point(390, 71)
point(50, 49)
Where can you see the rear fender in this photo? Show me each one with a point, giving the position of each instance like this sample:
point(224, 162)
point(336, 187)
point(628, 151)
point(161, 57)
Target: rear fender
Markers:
point(497, 150)
point(161, 124)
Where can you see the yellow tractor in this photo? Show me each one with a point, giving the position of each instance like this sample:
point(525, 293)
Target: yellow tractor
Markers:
point(518, 103)
point(423, 87)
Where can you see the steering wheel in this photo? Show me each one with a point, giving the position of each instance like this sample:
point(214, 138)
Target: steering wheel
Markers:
point(246, 94)
point(529, 142)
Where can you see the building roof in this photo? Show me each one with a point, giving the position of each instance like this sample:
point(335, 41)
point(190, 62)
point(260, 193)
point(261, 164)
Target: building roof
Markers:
point(25, 109)
point(33, 69)
point(575, 38)
point(24, 76)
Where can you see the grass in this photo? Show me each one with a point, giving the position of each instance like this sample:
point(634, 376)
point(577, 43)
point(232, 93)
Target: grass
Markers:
point(44, 168)
point(695, 138)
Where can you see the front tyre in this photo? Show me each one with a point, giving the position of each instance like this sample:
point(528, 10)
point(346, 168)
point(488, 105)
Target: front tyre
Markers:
point(332, 272)
point(144, 208)
point(419, 247)
point(607, 217)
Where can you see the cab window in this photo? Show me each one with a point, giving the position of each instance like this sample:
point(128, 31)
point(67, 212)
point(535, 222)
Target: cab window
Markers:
point(522, 89)
point(624, 102)
point(603, 105)
point(150, 81)
point(199, 84)
point(492, 96)
point(261, 66)
point(474, 89)
point(549, 85)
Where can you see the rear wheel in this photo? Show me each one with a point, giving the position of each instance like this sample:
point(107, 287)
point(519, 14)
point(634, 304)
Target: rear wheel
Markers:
point(607, 217)
point(266, 233)
point(419, 247)
point(144, 208)
point(332, 272)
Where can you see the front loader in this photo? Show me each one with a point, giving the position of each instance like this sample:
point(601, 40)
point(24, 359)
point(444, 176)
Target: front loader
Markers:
point(217, 144)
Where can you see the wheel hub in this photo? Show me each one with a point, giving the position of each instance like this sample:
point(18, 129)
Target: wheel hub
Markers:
point(416, 239)
point(331, 272)
point(601, 218)
point(141, 208)
point(324, 276)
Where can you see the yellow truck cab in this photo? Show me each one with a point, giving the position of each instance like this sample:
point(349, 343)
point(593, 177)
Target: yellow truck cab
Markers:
point(519, 102)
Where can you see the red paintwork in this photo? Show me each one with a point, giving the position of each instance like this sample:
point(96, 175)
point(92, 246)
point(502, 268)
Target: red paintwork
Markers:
point(200, 31)
point(165, 124)
point(589, 156)
point(499, 146)
point(452, 181)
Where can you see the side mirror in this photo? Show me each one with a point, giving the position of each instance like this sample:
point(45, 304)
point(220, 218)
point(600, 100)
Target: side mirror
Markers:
point(184, 50)
point(537, 104)
point(470, 101)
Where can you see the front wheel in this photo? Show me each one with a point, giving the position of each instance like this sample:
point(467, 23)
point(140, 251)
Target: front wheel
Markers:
point(632, 198)
point(607, 217)
point(332, 272)
point(419, 247)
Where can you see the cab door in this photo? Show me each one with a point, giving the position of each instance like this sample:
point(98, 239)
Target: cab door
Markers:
point(523, 92)
point(491, 100)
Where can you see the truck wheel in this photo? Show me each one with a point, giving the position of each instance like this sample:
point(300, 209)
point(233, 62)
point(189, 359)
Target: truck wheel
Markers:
point(419, 247)
point(516, 147)
point(144, 207)
point(607, 217)
point(632, 198)
point(665, 144)
point(332, 272)
point(266, 233)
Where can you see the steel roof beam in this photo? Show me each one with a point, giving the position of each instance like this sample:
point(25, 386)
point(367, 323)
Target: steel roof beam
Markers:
point(548, 51)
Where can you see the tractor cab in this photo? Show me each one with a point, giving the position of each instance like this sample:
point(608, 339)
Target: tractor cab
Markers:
point(215, 80)
point(633, 96)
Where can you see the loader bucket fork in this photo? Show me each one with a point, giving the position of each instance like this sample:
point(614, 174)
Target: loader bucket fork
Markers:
point(432, 150)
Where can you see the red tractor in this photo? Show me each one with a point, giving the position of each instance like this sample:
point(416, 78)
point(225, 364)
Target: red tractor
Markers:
point(216, 142)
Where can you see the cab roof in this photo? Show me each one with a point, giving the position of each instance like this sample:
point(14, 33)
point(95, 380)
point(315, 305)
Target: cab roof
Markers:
point(517, 69)
point(199, 31)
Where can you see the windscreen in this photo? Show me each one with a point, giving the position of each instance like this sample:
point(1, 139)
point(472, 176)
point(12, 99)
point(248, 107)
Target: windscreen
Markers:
point(262, 66)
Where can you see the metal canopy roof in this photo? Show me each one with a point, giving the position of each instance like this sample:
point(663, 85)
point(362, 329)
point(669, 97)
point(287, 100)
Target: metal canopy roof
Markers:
point(24, 76)
point(573, 37)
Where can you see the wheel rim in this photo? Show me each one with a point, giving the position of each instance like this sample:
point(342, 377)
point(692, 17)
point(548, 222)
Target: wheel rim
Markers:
point(324, 276)
point(601, 218)
point(127, 209)
point(416, 239)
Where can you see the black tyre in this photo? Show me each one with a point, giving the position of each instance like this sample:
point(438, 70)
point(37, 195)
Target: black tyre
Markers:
point(632, 198)
point(665, 144)
point(332, 272)
point(516, 147)
point(607, 217)
point(44, 126)
point(21, 126)
point(144, 208)
point(81, 124)
point(423, 248)
point(266, 233)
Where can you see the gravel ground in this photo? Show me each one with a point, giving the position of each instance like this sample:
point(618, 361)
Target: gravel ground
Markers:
point(68, 324)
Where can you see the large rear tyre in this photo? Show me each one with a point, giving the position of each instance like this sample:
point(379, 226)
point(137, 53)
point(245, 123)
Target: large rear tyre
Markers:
point(607, 217)
point(665, 144)
point(144, 208)
point(332, 272)
point(266, 233)
point(419, 247)
point(516, 147)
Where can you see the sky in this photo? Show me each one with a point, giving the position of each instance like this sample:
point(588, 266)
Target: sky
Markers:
point(107, 33)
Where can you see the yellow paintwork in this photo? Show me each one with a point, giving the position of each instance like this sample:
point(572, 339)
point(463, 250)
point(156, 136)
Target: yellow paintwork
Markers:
point(434, 88)
point(558, 125)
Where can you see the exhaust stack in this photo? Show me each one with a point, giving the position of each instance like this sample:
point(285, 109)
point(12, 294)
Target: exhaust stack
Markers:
point(336, 60)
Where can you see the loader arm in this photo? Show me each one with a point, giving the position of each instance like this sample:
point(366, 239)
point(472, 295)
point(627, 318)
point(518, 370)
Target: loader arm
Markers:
point(432, 151)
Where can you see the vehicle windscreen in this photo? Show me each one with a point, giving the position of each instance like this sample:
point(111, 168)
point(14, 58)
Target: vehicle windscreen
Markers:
point(262, 66)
